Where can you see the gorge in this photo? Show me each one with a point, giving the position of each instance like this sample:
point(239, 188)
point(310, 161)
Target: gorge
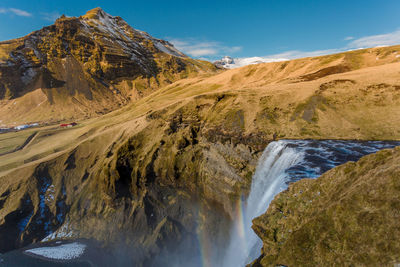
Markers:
point(282, 163)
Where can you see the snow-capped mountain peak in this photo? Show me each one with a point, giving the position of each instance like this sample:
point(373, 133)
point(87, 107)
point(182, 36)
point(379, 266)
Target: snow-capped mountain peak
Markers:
point(116, 29)
point(231, 63)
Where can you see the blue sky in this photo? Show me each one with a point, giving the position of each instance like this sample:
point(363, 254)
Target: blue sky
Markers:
point(211, 29)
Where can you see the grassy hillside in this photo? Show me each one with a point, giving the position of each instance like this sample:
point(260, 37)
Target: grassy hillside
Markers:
point(362, 104)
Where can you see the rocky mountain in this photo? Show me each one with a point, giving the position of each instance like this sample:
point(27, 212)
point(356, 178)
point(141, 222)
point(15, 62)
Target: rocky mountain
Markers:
point(348, 215)
point(80, 67)
point(162, 178)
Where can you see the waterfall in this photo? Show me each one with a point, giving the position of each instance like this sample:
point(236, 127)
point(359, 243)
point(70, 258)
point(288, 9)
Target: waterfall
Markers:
point(281, 163)
point(269, 179)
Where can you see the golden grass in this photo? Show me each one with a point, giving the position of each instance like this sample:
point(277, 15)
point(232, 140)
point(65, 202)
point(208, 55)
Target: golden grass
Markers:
point(11, 141)
point(7, 47)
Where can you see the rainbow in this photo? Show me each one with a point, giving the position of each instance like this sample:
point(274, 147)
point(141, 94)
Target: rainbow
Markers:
point(207, 255)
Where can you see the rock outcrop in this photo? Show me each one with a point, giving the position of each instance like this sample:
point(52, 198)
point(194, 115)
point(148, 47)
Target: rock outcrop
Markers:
point(347, 217)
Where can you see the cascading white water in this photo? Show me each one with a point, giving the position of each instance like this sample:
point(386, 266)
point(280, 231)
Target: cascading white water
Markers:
point(283, 162)
point(268, 180)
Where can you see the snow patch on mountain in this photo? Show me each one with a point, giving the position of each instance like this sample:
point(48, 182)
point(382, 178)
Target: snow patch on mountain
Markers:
point(167, 48)
point(121, 32)
point(63, 232)
point(232, 63)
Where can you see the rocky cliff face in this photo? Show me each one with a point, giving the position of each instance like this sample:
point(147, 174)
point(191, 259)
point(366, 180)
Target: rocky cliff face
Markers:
point(85, 66)
point(348, 216)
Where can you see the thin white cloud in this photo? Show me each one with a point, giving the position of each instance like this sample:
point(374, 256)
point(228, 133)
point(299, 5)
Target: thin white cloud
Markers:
point(20, 12)
point(387, 39)
point(392, 38)
point(200, 52)
point(15, 11)
point(299, 54)
point(196, 48)
point(50, 16)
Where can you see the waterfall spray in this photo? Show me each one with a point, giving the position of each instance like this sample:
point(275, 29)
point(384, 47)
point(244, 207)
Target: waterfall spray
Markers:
point(268, 180)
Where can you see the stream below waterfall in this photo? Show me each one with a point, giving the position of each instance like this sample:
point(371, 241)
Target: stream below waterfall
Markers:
point(282, 163)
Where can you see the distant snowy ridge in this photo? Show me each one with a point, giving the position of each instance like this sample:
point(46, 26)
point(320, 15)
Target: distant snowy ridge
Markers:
point(231, 63)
